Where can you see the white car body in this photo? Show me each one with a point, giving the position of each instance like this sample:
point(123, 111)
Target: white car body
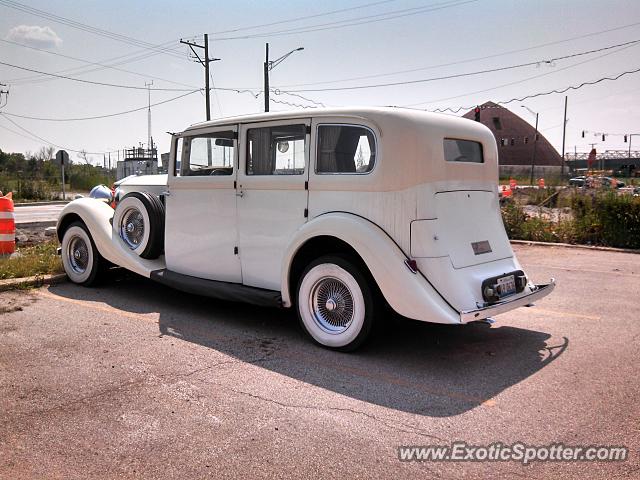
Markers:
point(428, 230)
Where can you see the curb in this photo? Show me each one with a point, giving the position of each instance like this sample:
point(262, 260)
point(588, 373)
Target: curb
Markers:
point(44, 223)
point(570, 245)
point(35, 204)
point(35, 281)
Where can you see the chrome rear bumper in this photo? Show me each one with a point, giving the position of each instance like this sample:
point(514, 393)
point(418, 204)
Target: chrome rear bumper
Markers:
point(540, 291)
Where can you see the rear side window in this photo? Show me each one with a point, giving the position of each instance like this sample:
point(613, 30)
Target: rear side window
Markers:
point(345, 149)
point(462, 151)
point(276, 150)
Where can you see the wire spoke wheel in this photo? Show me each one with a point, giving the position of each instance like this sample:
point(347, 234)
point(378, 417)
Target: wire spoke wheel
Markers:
point(332, 305)
point(80, 258)
point(335, 304)
point(132, 227)
point(78, 253)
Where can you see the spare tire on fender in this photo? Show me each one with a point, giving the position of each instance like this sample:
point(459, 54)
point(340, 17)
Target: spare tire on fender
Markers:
point(139, 222)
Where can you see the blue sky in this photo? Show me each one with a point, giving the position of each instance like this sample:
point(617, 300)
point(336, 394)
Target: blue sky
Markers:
point(450, 32)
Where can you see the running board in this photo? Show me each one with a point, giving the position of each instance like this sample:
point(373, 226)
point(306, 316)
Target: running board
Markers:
point(233, 292)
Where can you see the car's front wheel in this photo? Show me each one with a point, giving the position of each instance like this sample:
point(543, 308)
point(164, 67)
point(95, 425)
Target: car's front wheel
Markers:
point(336, 304)
point(80, 258)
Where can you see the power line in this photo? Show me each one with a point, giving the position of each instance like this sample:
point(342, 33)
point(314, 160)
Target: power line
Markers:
point(352, 22)
point(467, 74)
point(306, 17)
point(104, 84)
point(540, 94)
point(47, 141)
point(94, 63)
point(85, 27)
point(468, 60)
point(516, 82)
point(123, 59)
point(96, 117)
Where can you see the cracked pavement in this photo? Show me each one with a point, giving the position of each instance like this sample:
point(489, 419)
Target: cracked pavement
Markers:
point(134, 380)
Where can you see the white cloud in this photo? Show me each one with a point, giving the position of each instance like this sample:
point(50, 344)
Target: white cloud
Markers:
point(35, 36)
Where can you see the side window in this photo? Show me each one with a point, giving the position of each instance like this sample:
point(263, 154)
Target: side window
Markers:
point(463, 151)
point(276, 150)
point(211, 154)
point(176, 166)
point(345, 149)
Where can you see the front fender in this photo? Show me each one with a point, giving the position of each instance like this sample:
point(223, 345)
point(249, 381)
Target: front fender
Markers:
point(408, 293)
point(97, 216)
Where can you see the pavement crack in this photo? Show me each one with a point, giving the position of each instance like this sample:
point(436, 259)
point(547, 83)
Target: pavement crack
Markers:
point(408, 429)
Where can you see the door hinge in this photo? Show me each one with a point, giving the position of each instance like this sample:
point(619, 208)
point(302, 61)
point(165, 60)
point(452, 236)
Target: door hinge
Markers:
point(306, 185)
point(306, 213)
point(235, 250)
point(308, 129)
point(235, 184)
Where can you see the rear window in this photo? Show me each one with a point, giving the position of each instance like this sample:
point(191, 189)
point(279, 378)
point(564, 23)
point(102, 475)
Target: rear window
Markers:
point(345, 149)
point(462, 151)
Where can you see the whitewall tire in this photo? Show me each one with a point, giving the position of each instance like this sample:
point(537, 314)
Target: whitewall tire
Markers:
point(139, 222)
point(336, 305)
point(80, 258)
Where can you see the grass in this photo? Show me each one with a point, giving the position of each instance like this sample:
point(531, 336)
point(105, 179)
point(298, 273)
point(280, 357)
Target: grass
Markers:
point(34, 260)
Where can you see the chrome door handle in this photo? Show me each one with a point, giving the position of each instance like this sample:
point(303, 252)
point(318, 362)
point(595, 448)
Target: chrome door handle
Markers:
point(240, 194)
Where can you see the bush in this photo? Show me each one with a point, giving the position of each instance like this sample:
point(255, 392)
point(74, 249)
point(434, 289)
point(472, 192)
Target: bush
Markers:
point(598, 219)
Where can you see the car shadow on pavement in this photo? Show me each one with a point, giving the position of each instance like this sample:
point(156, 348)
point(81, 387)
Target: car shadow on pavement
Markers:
point(415, 367)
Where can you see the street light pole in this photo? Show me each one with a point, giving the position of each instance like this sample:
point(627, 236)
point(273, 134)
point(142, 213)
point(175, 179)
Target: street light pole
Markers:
point(564, 134)
point(266, 78)
point(535, 145)
point(270, 65)
point(535, 142)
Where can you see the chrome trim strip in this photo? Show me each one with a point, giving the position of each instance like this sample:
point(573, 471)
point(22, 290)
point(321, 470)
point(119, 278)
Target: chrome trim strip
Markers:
point(540, 291)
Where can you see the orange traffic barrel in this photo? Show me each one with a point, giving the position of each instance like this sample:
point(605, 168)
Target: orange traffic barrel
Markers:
point(506, 190)
point(512, 183)
point(541, 183)
point(7, 225)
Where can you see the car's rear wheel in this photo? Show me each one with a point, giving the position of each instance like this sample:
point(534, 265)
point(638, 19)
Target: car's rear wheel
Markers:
point(336, 304)
point(80, 258)
point(139, 222)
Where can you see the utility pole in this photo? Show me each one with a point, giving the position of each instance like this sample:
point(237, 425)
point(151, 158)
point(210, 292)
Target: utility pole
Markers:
point(205, 63)
point(266, 78)
point(564, 133)
point(148, 85)
point(3, 92)
point(535, 144)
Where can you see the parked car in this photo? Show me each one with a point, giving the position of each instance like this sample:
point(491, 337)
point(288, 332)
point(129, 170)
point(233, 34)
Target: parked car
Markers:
point(578, 181)
point(333, 212)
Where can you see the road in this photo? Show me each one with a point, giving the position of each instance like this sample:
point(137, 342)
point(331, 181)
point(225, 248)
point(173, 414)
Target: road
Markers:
point(133, 380)
point(40, 213)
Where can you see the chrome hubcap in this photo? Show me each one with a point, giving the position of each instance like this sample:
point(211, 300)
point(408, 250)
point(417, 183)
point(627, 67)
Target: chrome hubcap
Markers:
point(332, 305)
point(132, 228)
point(78, 255)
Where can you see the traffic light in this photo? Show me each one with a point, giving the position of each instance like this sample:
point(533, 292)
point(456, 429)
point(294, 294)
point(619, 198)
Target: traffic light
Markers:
point(582, 133)
point(477, 112)
point(625, 139)
point(603, 137)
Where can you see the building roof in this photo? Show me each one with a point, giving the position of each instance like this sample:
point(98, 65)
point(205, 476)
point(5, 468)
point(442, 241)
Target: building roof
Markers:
point(515, 137)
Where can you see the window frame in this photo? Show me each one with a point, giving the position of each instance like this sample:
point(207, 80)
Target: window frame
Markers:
point(205, 135)
point(334, 124)
point(202, 132)
point(463, 140)
point(260, 125)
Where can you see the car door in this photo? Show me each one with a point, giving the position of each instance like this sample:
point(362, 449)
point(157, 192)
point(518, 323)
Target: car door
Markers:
point(201, 237)
point(272, 195)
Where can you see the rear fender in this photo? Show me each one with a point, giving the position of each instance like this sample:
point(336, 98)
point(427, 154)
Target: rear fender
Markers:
point(408, 293)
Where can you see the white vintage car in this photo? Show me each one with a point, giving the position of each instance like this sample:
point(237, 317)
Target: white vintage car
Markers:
point(333, 212)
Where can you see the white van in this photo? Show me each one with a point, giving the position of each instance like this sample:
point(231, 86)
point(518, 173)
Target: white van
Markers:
point(332, 211)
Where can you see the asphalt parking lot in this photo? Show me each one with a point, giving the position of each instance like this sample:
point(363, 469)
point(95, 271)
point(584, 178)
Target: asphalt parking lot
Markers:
point(134, 380)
